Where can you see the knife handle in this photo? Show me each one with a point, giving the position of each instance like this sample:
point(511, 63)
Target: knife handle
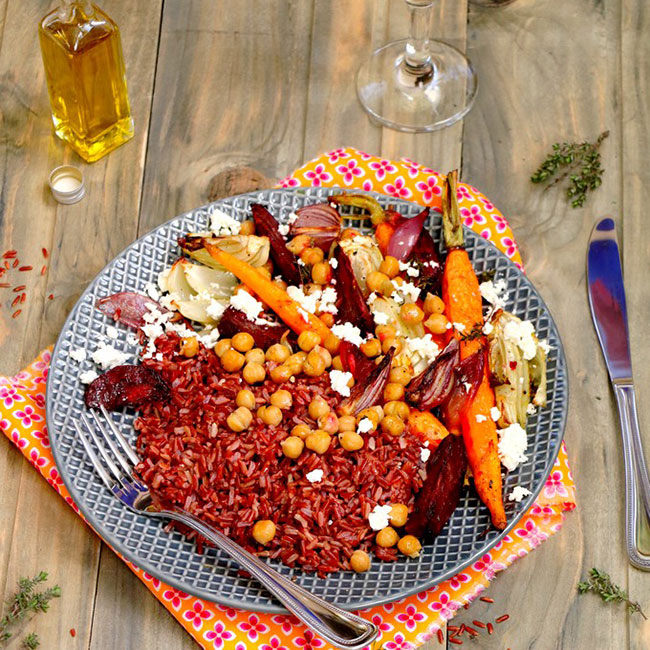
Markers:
point(637, 483)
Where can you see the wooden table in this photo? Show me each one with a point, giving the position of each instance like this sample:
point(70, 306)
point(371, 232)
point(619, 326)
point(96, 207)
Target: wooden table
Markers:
point(228, 97)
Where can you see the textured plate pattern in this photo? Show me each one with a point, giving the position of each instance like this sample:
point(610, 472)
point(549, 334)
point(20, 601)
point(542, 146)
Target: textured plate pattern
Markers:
point(173, 559)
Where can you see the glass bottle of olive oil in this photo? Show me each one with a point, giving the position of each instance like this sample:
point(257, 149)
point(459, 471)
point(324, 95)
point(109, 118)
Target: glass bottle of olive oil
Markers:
point(84, 68)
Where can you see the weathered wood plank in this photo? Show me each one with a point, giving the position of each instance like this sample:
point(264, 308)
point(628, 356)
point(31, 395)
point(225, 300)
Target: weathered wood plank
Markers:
point(540, 84)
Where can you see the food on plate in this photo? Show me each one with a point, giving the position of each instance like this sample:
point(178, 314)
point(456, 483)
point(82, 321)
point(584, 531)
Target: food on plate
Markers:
point(322, 393)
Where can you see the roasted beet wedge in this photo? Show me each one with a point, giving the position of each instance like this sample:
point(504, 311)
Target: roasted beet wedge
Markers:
point(282, 257)
point(368, 391)
point(233, 321)
point(128, 308)
point(321, 222)
point(441, 491)
point(352, 307)
point(126, 386)
point(434, 385)
point(468, 377)
point(355, 361)
point(425, 255)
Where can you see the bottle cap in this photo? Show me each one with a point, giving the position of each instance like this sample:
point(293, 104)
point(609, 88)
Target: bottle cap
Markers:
point(67, 184)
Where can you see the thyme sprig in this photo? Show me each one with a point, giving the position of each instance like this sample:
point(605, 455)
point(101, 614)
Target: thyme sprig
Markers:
point(31, 641)
point(581, 163)
point(27, 601)
point(601, 584)
point(475, 333)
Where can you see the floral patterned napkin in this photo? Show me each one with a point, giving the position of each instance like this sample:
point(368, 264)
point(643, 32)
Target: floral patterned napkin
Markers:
point(403, 624)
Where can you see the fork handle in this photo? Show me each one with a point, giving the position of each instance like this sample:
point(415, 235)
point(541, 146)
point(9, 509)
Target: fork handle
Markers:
point(342, 629)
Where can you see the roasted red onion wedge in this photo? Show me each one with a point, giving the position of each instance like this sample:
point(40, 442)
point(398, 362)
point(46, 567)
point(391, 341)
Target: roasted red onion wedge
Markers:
point(352, 307)
point(425, 255)
point(355, 361)
point(126, 386)
point(128, 308)
point(406, 235)
point(282, 257)
point(233, 321)
point(434, 385)
point(441, 491)
point(321, 222)
point(367, 392)
point(468, 376)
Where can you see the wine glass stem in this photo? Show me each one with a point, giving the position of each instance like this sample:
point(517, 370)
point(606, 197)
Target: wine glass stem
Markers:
point(417, 56)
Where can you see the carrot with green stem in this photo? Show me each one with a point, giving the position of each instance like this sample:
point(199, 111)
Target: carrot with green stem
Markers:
point(277, 299)
point(463, 306)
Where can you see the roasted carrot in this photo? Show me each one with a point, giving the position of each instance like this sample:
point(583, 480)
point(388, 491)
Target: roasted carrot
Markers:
point(297, 318)
point(383, 232)
point(463, 306)
point(427, 427)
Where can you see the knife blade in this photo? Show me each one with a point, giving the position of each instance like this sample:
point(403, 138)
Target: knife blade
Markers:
point(609, 313)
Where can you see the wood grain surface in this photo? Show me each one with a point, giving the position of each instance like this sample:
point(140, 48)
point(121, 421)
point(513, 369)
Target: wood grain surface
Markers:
point(228, 97)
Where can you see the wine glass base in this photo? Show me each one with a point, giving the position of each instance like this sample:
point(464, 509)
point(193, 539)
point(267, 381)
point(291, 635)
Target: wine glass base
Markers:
point(393, 95)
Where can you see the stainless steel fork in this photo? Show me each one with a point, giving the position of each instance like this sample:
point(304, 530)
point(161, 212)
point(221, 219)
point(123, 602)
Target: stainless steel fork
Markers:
point(114, 460)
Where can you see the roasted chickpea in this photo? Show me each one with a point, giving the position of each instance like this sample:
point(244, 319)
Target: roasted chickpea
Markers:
point(189, 346)
point(388, 287)
point(245, 398)
point(282, 373)
point(371, 414)
point(350, 440)
point(222, 346)
point(254, 373)
point(332, 343)
point(349, 233)
point(278, 353)
point(292, 446)
point(327, 319)
point(256, 355)
point(347, 423)
point(318, 407)
point(270, 415)
point(375, 280)
point(282, 399)
point(433, 304)
point(409, 545)
point(301, 431)
point(387, 537)
point(321, 272)
point(392, 425)
point(232, 361)
point(400, 375)
point(239, 419)
point(398, 515)
point(384, 332)
point(337, 364)
point(247, 227)
point(410, 313)
point(359, 561)
point(398, 409)
point(314, 366)
point(436, 323)
point(371, 348)
point(242, 342)
point(296, 361)
point(328, 422)
point(389, 266)
point(263, 531)
point(279, 282)
point(312, 255)
point(298, 244)
point(324, 354)
point(318, 441)
point(392, 342)
point(308, 340)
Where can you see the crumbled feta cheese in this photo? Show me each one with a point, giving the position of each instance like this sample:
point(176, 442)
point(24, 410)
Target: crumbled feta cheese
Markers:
point(162, 279)
point(490, 294)
point(304, 313)
point(78, 355)
point(210, 339)
point(152, 291)
point(379, 518)
point(518, 493)
point(448, 326)
point(459, 327)
point(215, 309)
point(106, 356)
point(132, 339)
point(243, 301)
point(406, 291)
point(512, 445)
point(169, 301)
point(467, 386)
point(544, 345)
point(425, 346)
point(327, 302)
point(380, 317)
point(88, 377)
point(495, 414)
point(222, 224)
point(111, 332)
point(523, 334)
point(371, 299)
point(283, 229)
point(488, 328)
point(365, 426)
point(339, 381)
point(159, 356)
point(480, 417)
point(293, 217)
point(334, 263)
point(530, 409)
point(315, 476)
point(307, 302)
point(424, 454)
point(348, 332)
point(412, 272)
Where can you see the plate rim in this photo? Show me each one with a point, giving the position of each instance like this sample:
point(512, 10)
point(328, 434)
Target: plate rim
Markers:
point(271, 607)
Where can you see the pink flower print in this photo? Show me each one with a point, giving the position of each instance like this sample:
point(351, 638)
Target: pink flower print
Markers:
point(542, 511)
point(381, 168)
point(509, 245)
point(471, 216)
point(55, 479)
point(367, 185)
point(411, 167)
point(9, 396)
point(411, 617)
point(289, 181)
point(334, 156)
point(382, 625)
point(487, 566)
point(462, 192)
point(309, 641)
point(554, 486)
point(488, 204)
point(531, 533)
point(286, 622)
point(318, 176)
point(21, 443)
point(36, 460)
point(28, 415)
point(4, 425)
point(458, 580)
point(445, 606)
point(398, 189)
point(349, 171)
point(197, 615)
point(429, 188)
point(175, 597)
point(365, 156)
point(41, 434)
point(275, 644)
point(218, 635)
point(389, 607)
point(72, 504)
point(228, 611)
point(486, 234)
point(38, 399)
point(149, 578)
point(253, 627)
point(502, 224)
point(398, 643)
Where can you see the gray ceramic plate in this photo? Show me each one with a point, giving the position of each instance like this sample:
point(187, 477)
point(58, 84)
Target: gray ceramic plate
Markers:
point(211, 575)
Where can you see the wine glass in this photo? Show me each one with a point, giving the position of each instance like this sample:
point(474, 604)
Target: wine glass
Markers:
point(417, 84)
point(492, 4)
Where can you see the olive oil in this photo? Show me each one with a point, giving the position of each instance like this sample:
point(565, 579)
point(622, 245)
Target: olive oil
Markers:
point(84, 68)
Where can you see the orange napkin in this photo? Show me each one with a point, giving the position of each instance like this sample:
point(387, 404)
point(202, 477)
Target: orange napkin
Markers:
point(403, 624)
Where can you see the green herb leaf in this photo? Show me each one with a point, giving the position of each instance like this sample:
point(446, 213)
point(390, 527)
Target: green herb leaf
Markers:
point(31, 641)
point(601, 584)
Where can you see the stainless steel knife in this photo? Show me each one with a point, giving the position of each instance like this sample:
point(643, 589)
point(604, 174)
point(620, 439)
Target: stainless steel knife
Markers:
point(609, 312)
